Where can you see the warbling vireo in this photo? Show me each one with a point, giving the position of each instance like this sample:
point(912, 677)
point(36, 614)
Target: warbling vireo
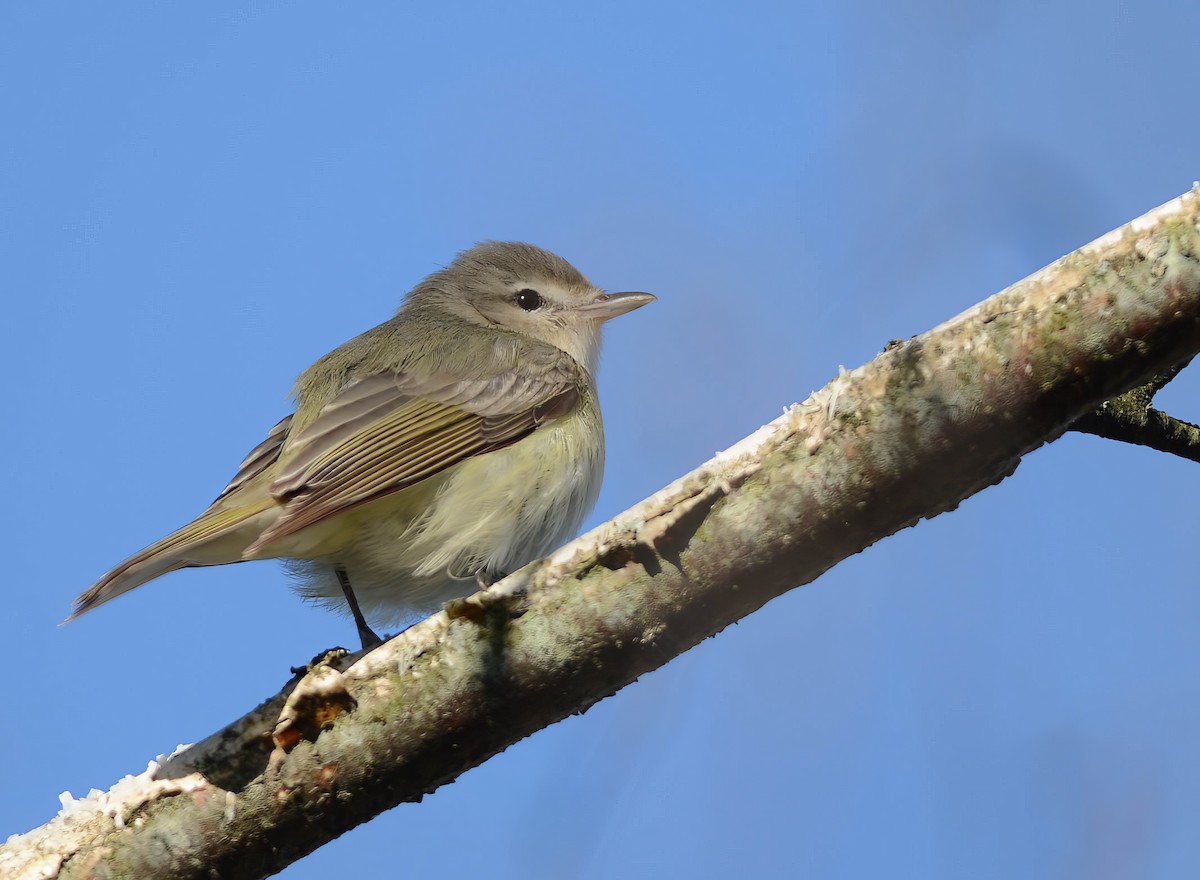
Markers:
point(458, 441)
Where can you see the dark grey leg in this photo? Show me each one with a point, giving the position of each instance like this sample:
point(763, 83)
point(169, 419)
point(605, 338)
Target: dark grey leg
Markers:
point(369, 639)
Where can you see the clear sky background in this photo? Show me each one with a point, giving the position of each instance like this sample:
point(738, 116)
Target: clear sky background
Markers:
point(196, 201)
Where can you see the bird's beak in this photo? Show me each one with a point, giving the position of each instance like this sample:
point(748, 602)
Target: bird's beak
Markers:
point(609, 305)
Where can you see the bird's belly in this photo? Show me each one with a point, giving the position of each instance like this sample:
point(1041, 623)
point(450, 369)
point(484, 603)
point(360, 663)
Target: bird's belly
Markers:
point(409, 552)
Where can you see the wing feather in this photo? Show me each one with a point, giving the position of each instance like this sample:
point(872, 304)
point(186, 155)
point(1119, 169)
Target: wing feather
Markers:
point(259, 458)
point(389, 431)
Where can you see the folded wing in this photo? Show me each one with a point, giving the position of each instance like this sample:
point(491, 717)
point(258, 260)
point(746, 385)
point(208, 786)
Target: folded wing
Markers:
point(389, 431)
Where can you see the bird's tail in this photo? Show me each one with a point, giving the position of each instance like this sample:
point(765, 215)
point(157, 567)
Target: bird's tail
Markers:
point(216, 537)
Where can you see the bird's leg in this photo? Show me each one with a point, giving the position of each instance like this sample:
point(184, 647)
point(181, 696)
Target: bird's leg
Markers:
point(369, 639)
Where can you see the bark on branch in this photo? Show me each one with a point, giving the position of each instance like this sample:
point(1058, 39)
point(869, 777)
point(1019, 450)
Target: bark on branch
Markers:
point(911, 434)
point(1132, 418)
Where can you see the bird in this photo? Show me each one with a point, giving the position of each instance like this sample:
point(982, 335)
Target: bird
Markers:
point(442, 449)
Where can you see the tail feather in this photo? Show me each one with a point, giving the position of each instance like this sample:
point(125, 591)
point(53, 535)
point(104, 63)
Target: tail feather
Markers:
point(133, 572)
point(196, 544)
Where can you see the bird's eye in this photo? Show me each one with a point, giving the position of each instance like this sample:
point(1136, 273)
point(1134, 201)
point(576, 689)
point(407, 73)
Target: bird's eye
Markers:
point(528, 299)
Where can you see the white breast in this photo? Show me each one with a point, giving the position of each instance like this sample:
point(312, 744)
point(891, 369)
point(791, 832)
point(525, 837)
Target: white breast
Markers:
point(495, 513)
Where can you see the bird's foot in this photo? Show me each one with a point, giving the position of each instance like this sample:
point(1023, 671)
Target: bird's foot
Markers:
point(323, 657)
point(486, 579)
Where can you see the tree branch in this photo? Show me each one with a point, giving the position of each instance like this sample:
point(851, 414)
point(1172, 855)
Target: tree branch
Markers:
point(1131, 418)
point(909, 435)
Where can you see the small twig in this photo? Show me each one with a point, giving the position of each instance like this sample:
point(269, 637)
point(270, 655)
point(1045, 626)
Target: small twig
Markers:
point(1131, 418)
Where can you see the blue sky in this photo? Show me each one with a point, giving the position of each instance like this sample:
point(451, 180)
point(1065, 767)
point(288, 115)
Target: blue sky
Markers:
point(196, 202)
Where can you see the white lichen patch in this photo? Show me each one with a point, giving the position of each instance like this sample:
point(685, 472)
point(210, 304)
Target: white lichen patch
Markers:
point(40, 854)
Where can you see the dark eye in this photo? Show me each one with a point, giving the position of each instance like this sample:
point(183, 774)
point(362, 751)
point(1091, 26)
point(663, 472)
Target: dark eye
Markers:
point(528, 299)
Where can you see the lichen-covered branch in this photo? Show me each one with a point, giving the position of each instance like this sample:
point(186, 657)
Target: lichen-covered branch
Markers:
point(908, 435)
point(1132, 418)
